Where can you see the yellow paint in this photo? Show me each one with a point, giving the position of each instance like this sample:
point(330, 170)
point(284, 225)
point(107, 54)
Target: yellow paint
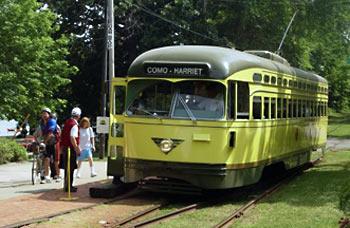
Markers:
point(201, 137)
point(208, 141)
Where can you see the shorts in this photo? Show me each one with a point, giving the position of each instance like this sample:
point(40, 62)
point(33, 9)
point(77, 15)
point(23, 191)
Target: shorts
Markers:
point(50, 152)
point(85, 154)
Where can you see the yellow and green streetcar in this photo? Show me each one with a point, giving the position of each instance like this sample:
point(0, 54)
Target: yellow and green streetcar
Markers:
point(213, 117)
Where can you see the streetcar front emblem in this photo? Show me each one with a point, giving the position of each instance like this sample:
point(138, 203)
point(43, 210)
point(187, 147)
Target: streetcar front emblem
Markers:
point(166, 145)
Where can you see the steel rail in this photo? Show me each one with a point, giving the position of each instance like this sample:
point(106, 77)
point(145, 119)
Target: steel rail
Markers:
point(138, 215)
point(168, 215)
point(236, 214)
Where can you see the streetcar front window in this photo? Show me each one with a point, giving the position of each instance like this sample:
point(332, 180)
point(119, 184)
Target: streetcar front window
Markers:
point(185, 100)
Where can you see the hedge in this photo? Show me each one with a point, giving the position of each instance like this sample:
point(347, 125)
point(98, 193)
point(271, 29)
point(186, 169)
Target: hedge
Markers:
point(11, 151)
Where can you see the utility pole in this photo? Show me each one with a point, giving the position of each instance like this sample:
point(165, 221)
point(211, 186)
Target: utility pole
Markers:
point(108, 66)
point(110, 40)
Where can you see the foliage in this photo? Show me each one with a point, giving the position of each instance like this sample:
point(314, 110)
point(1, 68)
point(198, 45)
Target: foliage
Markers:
point(317, 41)
point(33, 68)
point(10, 151)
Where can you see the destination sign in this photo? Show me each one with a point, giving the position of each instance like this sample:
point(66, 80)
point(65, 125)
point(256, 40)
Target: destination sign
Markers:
point(176, 70)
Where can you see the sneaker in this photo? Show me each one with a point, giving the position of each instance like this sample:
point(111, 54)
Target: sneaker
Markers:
point(47, 180)
point(93, 174)
point(58, 179)
point(43, 181)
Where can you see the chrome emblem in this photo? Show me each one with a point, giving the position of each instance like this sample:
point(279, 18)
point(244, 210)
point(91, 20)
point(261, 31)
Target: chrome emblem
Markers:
point(167, 145)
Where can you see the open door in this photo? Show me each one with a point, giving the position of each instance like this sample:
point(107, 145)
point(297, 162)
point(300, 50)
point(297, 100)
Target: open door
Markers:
point(116, 139)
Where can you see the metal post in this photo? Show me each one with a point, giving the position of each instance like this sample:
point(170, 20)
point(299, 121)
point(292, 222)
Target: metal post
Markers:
point(110, 40)
point(108, 68)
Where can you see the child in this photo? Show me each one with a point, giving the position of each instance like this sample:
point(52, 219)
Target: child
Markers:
point(87, 145)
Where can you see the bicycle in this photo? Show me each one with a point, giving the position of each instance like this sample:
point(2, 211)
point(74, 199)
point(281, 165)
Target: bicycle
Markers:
point(38, 162)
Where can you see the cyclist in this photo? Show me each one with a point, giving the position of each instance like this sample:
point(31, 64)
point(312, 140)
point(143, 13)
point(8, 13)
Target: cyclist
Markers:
point(55, 164)
point(48, 130)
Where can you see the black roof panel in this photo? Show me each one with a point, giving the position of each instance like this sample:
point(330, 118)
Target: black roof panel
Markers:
point(222, 62)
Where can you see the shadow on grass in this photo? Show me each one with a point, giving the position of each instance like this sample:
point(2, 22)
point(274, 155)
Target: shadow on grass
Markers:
point(316, 187)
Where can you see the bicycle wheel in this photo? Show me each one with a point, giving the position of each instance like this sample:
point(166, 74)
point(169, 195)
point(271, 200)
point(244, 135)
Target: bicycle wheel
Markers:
point(34, 169)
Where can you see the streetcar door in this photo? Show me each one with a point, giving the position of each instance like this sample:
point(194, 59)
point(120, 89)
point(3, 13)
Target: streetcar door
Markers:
point(116, 139)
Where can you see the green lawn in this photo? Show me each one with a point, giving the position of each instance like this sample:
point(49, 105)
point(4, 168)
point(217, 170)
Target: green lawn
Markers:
point(339, 125)
point(310, 200)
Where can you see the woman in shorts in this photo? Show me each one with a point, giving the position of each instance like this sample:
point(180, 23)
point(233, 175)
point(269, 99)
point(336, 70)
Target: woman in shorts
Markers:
point(86, 145)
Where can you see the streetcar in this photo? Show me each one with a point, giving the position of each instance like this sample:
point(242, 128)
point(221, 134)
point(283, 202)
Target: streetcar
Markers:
point(213, 117)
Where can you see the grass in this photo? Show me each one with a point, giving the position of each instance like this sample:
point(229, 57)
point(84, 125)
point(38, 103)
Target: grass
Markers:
point(311, 200)
point(339, 125)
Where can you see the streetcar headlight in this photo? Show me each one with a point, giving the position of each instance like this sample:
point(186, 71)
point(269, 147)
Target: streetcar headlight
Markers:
point(166, 145)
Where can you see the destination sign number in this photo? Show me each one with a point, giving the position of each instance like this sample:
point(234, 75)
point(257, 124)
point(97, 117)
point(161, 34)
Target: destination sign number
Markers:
point(174, 70)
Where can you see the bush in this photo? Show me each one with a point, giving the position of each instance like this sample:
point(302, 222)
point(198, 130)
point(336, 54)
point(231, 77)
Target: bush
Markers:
point(10, 151)
point(345, 199)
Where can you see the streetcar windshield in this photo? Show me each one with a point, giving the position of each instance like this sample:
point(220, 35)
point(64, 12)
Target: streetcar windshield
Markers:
point(186, 99)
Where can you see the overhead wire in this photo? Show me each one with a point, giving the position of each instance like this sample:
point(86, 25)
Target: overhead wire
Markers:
point(150, 12)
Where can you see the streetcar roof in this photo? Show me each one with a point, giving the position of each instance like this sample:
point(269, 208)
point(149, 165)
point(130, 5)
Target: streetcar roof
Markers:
point(222, 62)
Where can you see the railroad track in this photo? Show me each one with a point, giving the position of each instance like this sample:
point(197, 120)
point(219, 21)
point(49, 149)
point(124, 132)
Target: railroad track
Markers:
point(134, 221)
point(128, 222)
point(236, 214)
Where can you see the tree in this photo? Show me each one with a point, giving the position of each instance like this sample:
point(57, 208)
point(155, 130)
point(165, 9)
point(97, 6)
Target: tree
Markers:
point(33, 68)
point(317, 41)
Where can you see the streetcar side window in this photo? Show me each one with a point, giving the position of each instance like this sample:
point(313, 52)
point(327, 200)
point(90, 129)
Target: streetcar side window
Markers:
point(290, 108)
point(273, 108)
point(284, 108)
point(242, 100)
point(119, 100)
point(266, 108)
point(299, 108)
point(273, 80)
point(279, 108)
point(266, 78)
point(232, 100)
point(257, 77)
point(256, 107)
point(284, 82)
point(308, 108)
point(295, 104)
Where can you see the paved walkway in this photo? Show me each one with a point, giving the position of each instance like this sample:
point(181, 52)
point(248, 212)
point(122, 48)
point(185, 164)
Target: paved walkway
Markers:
point(38, 205)
point(15, 179)
point(334, 144)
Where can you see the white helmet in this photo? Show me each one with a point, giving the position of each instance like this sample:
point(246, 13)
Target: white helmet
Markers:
point(46, 110)
point(76, 111)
